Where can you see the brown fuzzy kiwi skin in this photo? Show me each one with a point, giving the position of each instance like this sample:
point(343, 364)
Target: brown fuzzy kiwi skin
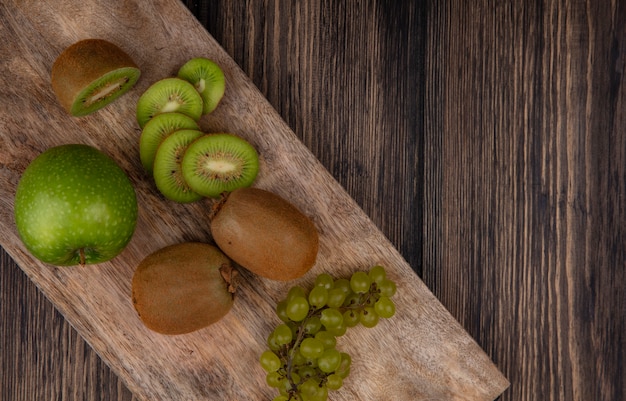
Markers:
point(82, 63)
point(183, 288)
point(265, 233)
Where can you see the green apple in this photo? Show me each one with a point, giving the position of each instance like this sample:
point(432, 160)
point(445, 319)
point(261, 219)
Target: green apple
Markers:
point(75, 205)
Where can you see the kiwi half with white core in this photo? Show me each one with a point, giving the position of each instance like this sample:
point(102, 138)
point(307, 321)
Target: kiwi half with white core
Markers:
point(91, 74)
point(208, 79)
point(167, 170)
point(219, 162)
point(156, 130)
point(169, 95)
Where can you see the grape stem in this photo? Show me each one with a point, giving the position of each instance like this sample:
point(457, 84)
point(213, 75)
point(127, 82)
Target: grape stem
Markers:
point(290, 350)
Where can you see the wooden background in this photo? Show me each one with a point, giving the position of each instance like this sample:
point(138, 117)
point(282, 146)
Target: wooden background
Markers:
point(485, 139)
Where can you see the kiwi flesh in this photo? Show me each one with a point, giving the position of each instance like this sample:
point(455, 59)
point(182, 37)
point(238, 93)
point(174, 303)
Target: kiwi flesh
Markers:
point(167, 170)
point(91, 74)
point(169, 95)
point(156, 130)
point(264, 233)
point(219, 162)
point(183, 287)
point(208, 79)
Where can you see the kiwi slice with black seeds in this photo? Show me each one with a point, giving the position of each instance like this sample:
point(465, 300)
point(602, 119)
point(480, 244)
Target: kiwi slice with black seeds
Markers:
point(169, 95)
point(219, 162)
point(156, 130)
point(208, 79)
point(167, 166)
point(91, 74)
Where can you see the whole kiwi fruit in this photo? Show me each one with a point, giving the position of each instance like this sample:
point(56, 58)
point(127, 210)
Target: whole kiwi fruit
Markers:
point(264, 233)
point(91, 74)
point(183, 287)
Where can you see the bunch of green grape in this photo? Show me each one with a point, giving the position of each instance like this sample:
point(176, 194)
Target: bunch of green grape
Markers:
point(302, 361)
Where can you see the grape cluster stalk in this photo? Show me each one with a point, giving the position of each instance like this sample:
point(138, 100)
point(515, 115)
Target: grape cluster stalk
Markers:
point(302, 360)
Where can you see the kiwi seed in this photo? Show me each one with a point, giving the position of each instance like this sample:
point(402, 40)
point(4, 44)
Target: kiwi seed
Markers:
point(156, 130)
point(169, 95)
point(167, 169)
point(208, 79)
point(219, 162)
point(91, 74)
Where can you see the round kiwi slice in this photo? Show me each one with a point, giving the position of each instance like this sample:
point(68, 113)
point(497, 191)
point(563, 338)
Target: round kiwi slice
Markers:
point(169, 95)
point(183, 287)
point(91, 74)
point(220, 162)
point(167, 169)
point(157, 129)
point(208, 79)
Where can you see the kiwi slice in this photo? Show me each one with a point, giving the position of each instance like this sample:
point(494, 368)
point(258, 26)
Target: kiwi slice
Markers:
point(218, 163)
point(169, 95)
point(91, 74)
point(208, 79)
point(167, 169)
point(157, 129)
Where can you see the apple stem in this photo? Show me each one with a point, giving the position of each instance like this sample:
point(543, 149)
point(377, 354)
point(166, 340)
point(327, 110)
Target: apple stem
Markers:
point(81, 254)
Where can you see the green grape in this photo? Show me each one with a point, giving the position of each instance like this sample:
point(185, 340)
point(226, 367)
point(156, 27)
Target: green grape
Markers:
point(334, 381)
point(377, 274)
point(324, 280)
point(352, 300)
point(368, 317)
point(297, 308)
point(306, 372)
point(274, 379)
point(351, 318)
point(385, 307)
point(282, 334)
point(318, 297)
point(295, 291)
point(312, 325)
point(298, 359)
point(335, 298)
point(270, 361)
point(331, 318)
point(387, 288)
point(329, 361)
point(309, 386)
point(343, 369)
point(311, 348)
point(360, 282)
point(271, 342)
point(344, 285)
point(339, 330)
point(327, 339)
point(281, 311)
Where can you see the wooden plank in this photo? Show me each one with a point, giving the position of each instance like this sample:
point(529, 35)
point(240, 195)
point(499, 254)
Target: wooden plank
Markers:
point(526, 188)
point(431, 356)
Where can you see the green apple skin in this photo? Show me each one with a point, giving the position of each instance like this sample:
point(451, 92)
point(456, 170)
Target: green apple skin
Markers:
point(74, 205)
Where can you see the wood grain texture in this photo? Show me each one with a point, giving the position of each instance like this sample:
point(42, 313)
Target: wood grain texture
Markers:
point(525, 188)
point(509, 115)
point(422, 354)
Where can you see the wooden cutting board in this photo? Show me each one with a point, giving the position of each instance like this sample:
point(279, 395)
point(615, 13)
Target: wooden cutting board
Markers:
point(422, 353)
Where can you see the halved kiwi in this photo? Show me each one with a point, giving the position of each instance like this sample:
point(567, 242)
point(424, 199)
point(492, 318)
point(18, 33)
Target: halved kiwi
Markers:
point(219, 162)
point(208, 79)
point(91, 74)
point(169, 95)
point(156, 130)
point(167, 169)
